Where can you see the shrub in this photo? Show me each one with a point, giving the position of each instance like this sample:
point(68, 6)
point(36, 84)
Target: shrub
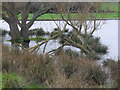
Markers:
point(114, 71)
point(92, 72)
point(35, 68)
point(62, 70)
point(87, 71)
point(69, 68)
point(40, 32)
point(37, 31)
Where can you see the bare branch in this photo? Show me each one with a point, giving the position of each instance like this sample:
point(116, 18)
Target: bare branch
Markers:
point(59, 48)
point(44, 47)
point(43, 9)
point(36, 46)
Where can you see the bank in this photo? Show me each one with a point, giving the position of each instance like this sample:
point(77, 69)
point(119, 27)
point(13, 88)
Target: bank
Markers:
point(55, 17)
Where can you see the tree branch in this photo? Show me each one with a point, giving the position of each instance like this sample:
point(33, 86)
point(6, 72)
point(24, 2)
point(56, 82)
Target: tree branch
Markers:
point(59, 48)
point(34, 47)
point(75, 44)
point(43, 9)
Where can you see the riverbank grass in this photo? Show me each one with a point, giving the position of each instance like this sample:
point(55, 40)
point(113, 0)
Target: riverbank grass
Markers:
point(58, 16)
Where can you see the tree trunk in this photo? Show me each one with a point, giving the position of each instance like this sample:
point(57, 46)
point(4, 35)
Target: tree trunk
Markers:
point(25, 36)
point(14, 31)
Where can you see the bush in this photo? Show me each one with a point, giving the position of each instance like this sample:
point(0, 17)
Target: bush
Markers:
point(92, 73)
point(114, 71)
point(40, 32)
point(35, 68)
point(37, 31)
point(96, 45)
point(69, 68)
point(87, 71)
point(62, 70)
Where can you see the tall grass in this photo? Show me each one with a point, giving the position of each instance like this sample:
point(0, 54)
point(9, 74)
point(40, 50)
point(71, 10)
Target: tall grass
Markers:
point(61, 71)
point(35, 68)
point(112, 65)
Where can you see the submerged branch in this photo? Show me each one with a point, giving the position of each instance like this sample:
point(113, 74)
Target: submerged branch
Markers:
point(59, 48)
point(35, 47)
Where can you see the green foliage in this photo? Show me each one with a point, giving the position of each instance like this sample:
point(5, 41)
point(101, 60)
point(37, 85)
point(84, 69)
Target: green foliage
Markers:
point(12, 80)
point(97, 46)
point(40, 32)
point(38, 39)
point(37, 31)
point(16, 41)
point(0, 80)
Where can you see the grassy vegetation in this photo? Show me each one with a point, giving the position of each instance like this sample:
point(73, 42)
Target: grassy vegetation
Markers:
point(58, 16)
point(0, 80)
point(32, 70)
point(13, 80)
point(110, 7)
point(25, 69)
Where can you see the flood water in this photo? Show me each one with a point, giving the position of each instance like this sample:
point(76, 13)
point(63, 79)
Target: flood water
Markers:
point(108, 34)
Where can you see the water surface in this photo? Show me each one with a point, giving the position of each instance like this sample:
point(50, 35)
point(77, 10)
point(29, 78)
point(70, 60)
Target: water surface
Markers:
point(108, 34)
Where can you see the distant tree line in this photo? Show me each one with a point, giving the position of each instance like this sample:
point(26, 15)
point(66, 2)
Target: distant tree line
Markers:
point(73, 8)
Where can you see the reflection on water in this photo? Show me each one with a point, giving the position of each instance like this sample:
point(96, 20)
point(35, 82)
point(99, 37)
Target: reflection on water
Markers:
point(108, 34)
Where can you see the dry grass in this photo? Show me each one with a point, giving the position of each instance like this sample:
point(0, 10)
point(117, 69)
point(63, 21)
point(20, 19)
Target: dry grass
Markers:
point(36, 68)
point(62, 71)
point(114, 71)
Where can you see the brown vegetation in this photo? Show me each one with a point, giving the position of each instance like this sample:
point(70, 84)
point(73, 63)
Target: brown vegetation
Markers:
point(62, 71)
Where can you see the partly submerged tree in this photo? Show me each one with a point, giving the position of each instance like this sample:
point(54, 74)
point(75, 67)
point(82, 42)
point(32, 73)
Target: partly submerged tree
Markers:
point(10, 15)
point(83, 25)
point(93, 42)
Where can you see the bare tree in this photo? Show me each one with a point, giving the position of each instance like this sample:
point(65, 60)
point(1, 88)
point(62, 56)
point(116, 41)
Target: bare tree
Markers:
point(84, 24)
point(12, 9)
point(9, 14)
